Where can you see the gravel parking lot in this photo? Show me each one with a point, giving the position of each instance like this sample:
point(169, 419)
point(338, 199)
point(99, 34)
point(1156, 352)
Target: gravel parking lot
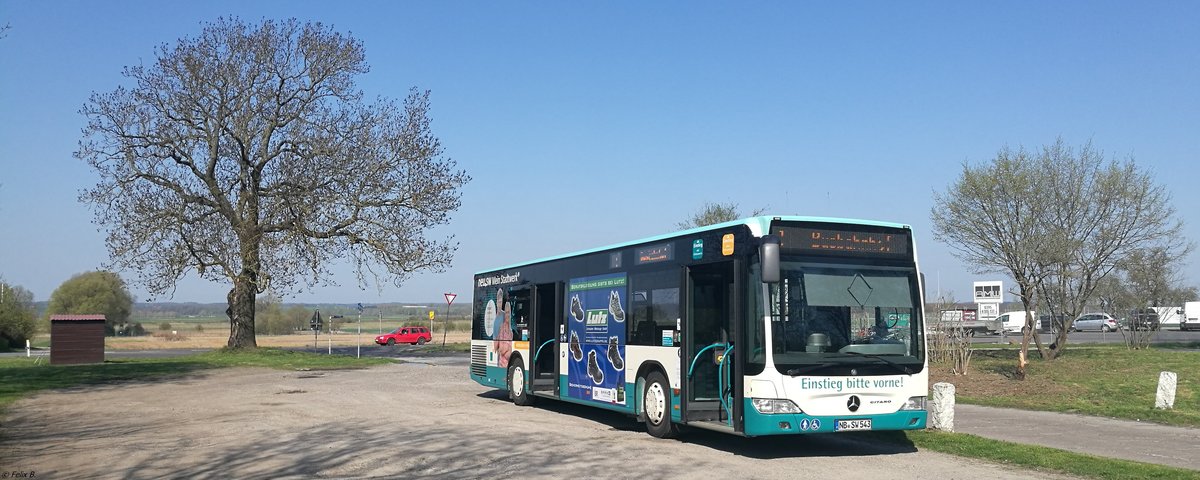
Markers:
point(422, 418)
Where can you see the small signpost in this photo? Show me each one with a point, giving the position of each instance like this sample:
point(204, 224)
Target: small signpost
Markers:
point(315, 325)
point(446, 323)
point(330, 336)
point(358, 353)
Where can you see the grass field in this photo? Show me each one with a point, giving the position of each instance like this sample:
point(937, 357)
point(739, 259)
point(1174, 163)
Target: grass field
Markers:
point(1107, 381)
point(1034, 457)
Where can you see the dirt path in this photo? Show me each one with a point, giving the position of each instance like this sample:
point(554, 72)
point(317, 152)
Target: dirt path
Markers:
point(422, 419)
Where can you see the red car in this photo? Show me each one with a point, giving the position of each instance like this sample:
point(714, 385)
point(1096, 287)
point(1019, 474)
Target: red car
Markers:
point(413, 335)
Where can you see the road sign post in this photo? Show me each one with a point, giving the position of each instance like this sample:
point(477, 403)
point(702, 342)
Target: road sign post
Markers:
point(446, 323)
point(358, 350)
point(330, 336)
point(315, 325)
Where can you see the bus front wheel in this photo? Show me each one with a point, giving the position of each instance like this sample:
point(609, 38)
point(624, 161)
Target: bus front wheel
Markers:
point(656, 406)
point(516, 384)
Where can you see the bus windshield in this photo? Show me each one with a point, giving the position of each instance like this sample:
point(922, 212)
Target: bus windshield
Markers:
point(845, 317)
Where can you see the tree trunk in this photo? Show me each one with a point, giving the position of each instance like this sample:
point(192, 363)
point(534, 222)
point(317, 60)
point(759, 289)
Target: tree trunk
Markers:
point(1060, 340)
point(242, 296)
point(241, 311)
point(1029, 332)
point(245, 286)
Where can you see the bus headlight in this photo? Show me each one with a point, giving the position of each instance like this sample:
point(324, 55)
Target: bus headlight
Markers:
point(914, 403)
point(774, 405)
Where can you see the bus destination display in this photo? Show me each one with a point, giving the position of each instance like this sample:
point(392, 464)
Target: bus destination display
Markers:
point(825, 241)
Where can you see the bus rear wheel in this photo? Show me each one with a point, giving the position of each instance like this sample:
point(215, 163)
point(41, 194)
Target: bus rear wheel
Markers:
point(656, 406)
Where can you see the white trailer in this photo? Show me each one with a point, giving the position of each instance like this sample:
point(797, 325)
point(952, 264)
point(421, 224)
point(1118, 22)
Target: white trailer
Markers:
point(968, 320)
point(1168, 316)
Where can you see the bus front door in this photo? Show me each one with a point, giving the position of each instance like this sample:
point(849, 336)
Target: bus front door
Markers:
point(708, 339)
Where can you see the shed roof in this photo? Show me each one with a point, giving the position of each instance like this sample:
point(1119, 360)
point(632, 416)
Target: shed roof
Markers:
point(75, 317)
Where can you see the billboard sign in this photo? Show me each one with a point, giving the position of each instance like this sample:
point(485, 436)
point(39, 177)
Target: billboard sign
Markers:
point(989, 292)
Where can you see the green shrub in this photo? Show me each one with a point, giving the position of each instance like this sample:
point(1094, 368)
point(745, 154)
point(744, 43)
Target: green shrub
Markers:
point(164, 326)
point(17, 318)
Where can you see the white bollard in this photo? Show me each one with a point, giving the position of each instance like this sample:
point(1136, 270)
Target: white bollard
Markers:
point(941, 410)
point(1165, 399)
point(26, 348)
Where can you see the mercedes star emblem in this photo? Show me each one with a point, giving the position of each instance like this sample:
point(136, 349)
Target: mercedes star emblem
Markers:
point(852, 403)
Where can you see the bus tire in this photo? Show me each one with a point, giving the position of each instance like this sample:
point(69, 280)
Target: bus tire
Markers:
point(656, 406)
point(516, 383)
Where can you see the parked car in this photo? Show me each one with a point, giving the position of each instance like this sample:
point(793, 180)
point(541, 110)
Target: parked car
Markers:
point(1099, 322)
point(1143, 319)
point(412, 335)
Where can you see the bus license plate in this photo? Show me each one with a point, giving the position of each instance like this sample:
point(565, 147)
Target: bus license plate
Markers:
point(848, 425)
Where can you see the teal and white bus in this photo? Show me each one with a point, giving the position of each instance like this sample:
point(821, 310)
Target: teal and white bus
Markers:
point(761, 326)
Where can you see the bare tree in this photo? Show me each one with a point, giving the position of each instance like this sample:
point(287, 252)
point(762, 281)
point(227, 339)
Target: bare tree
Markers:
point(992, 218)
point(249, 156)
point(949, 341)
point(1104, 212)
point(714, 213)
point(1058, 221)
point(1143, 280)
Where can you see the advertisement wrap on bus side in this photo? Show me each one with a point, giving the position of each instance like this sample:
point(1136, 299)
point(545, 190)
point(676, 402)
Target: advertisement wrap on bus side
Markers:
point(596, 311)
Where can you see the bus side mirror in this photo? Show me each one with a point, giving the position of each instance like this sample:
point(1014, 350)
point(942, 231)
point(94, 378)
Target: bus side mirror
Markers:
point(768, 254)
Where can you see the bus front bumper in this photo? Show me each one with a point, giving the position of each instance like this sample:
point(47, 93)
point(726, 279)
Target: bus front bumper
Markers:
point(759, 424)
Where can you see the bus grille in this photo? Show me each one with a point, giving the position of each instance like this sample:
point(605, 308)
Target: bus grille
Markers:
point(479, 360)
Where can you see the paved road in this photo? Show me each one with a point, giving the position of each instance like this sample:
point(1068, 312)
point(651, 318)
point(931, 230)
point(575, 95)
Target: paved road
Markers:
point(422, 418)
point(1105, 437)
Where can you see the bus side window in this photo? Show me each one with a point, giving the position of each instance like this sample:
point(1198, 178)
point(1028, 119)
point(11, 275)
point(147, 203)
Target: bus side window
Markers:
point(655, 305)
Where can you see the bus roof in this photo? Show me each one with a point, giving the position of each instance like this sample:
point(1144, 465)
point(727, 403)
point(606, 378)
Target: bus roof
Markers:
point(757, 225)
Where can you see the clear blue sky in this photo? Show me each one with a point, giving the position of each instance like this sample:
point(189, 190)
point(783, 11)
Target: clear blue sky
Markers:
point(585, 124)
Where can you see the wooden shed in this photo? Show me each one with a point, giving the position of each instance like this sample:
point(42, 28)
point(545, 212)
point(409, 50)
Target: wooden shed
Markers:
point(76, 339)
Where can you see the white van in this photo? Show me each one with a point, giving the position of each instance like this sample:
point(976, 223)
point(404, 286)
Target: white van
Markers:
point(1191, 316)
point(1013, 322)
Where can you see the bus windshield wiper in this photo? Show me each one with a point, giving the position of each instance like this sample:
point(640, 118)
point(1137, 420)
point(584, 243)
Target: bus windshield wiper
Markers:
point(890, 363)
point(811, 368)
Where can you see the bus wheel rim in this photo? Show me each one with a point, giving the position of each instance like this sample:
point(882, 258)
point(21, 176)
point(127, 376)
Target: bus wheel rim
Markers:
point(518, 386)
point(655, 405)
